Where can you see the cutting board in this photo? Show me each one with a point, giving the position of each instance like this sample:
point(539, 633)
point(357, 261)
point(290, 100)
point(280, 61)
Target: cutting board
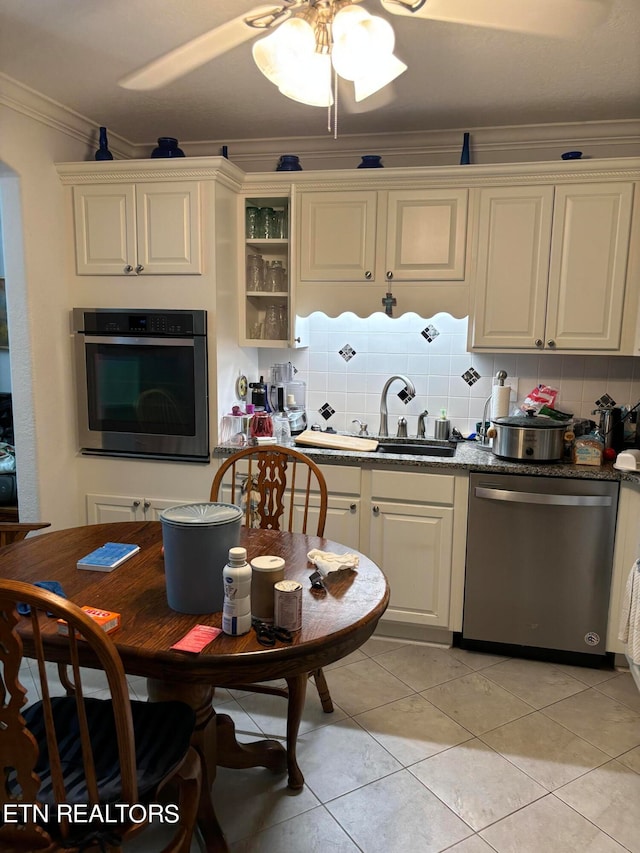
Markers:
point(333, 441)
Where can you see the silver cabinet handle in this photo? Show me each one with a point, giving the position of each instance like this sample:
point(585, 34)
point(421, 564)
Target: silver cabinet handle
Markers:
point(139, 268)
point(389, 275)
point(135, 504)
point(128, 268)
point(368, 275)
point(541, 498)
point(376, 510)
point(538, 342)
point(353, 507)
point(146, 505)
point(551, 344)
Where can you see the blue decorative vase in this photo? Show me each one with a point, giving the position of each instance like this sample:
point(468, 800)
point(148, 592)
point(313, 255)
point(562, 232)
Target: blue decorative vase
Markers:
point(371, 161)
point(289, 163)
point(103, 152)
point(167, 147)
point(465, 155)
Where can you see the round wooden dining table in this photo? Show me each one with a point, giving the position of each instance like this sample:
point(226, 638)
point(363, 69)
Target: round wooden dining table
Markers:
point(335, 622)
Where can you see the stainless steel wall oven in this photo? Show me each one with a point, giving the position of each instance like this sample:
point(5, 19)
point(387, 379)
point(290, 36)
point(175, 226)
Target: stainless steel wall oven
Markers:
point(142, 387)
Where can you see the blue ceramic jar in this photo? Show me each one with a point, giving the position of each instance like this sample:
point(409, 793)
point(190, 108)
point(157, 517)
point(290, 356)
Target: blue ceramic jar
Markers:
point(289, 163)
point(167, 147)
point(371, 161)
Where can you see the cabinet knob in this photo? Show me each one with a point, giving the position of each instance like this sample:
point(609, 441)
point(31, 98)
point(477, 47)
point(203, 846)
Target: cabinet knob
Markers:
point(297, 340)
point(146, 505)
point(551, 344)
point(368, 275)
point(353, 507)
point(128, 268)
point(139, 268)
point(135, 504)
point(376, 510)
point(538, 342)
point(389, 275)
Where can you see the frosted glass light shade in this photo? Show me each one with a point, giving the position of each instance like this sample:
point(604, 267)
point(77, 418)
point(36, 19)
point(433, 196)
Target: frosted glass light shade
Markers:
point(378, 76)
point(310, 81)
point(283, 48)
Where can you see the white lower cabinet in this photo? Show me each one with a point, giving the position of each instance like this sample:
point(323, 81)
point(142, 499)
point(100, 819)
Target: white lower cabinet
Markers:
point(107, 508)
point(626, 552)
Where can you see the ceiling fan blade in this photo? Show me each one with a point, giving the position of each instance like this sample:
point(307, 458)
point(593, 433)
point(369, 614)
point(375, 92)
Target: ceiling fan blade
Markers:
point(194, 53)
point(560, 18)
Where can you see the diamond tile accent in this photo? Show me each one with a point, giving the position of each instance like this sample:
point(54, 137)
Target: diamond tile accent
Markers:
point(605, 401)
point(347, 352)
point(471, 376)
point(405, 395)
point(430, 333)
point(326, 411)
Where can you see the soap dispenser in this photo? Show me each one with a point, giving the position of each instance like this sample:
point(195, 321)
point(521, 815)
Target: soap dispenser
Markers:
point(442, 426)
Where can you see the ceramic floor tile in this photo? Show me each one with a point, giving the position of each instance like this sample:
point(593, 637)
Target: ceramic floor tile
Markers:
point(612, 727)
point(622, 688)
point(534, 682)
point(411, 729)
point(270, 712)
point(477, 783)
point(248, 801)
point(313, 830)
point(544, 750)
point(476, 660)
point(548, 825)
point(155, 838)
point(364, 685)
point(422, 666)
point(339, 758)
point(378, 645)
point(608, 796)
point(397, 814)
point(631, 759)
point(138, 687)
point(352, 658)
point(476, 702)
point(586, 674)
point(247, 729)
point(473, 844)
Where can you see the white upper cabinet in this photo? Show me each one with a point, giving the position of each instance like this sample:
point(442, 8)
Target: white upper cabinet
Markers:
point(138, 229)
point(550, 267)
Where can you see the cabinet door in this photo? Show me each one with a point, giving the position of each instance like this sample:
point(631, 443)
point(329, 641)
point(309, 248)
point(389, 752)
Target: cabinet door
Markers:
point(105, 229)
point(426, 235)
point(107, 508)
point(153, 507)
point(591, 231)
point(338, 236)
point(513, 244)
point(412, 544)
point(168, 224)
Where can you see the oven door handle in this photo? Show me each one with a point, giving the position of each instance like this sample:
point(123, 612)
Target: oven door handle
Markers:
point(139, 342)
point(541, 497)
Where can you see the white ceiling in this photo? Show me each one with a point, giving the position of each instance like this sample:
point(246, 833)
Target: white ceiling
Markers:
point(460, 76)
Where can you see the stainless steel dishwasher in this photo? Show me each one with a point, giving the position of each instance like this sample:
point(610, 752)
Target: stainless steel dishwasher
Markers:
point(539, 560)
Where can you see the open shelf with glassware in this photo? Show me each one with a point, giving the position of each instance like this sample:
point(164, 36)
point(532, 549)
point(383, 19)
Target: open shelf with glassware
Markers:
point(264, 307)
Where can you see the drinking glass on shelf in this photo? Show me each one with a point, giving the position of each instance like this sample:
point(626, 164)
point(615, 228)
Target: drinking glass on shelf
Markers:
point(282, 224)
point(272, 323)
point(252, 222)
point(268, 223)
point(255, 273)
point(256, 331)
point(283, 322)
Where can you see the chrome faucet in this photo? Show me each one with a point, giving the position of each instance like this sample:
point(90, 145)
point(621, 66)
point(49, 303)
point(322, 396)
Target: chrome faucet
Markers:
point(384, 426)
point(421, 433)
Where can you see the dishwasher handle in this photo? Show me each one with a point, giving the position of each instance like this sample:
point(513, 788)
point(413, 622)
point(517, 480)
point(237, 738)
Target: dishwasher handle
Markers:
point(541, 497)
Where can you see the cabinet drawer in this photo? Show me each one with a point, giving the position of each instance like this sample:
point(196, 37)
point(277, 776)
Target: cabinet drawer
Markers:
point(412, 486)
point(341, 479)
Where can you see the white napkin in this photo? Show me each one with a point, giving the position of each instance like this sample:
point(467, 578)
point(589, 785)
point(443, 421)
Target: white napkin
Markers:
point(327, 562)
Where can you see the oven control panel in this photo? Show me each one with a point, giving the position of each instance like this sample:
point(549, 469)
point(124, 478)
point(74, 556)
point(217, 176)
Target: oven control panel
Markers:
point(181, 324)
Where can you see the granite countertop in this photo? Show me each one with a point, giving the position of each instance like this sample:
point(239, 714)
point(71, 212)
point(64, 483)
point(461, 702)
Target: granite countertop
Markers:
point(468, 457)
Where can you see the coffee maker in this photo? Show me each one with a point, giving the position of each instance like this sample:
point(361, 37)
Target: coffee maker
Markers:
point(293, 393)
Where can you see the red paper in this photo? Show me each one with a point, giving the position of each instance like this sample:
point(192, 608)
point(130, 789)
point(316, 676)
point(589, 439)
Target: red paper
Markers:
point(197, 638)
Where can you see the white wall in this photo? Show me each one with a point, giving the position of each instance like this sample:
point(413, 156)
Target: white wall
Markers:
point(37, 276)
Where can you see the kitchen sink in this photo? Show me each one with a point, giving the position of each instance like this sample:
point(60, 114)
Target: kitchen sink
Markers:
point(417, 448)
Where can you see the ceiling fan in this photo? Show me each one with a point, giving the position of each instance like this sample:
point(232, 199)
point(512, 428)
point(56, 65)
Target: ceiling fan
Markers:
point(551, 18)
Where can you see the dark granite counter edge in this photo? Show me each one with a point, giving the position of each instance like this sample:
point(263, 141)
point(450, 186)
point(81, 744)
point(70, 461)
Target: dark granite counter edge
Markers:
point(468, 457)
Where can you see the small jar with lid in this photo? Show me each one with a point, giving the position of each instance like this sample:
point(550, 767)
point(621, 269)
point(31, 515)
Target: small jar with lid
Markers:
point(266, 571)
point(252, 220)
point(255, 272)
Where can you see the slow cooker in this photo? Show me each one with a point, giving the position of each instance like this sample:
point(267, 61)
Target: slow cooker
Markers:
point(528, 437)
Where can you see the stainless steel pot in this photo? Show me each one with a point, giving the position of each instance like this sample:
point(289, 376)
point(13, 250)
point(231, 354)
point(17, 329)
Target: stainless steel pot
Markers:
point(528, 437)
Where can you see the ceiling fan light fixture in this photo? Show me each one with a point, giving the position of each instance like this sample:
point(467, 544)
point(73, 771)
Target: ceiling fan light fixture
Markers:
point(288, 45)
point(309, 82)
point(384, 72)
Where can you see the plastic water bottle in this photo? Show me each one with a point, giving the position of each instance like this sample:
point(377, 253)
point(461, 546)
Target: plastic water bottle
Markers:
point(236, 580)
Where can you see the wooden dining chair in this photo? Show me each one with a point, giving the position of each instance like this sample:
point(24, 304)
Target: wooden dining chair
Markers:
point(277, 489)
point(14, 531)
point(102, 754)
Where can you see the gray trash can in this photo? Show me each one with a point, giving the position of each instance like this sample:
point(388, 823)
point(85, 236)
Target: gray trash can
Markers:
point(196, 539)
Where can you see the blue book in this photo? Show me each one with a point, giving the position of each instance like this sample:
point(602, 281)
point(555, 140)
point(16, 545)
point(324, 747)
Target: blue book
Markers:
point(108, 557)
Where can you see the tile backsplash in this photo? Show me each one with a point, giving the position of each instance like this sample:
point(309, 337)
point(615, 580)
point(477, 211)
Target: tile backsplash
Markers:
point(350, 358)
